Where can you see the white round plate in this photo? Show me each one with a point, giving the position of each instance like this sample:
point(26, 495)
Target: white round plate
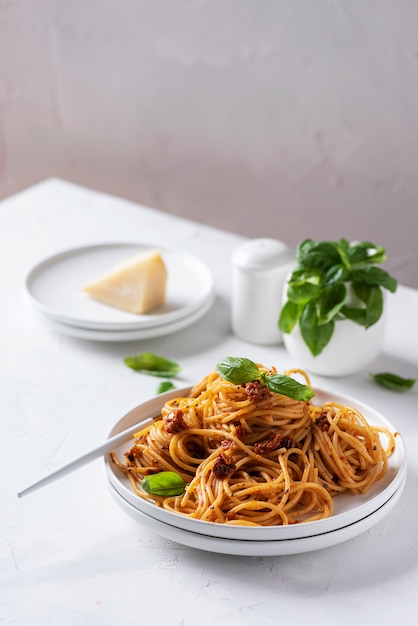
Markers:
point(54, 287)
point(282, 547)
point(127, 335)
point(348, 507)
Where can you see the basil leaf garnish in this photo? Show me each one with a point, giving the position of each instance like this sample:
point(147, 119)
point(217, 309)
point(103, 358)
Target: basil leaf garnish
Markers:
point(153, 364)
point(239, 371)
point(165, 385)
point(164, 484)
point(286, 386)
point(317, 289)
point(393, 381)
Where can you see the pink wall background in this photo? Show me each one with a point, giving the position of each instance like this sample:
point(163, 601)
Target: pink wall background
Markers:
point(290, 119)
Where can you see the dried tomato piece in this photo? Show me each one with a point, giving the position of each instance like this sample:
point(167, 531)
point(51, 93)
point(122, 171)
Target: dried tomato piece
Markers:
point(322, 422)
point(174, 422)
point(223, 467)
point(256, 391)
point(275, 442)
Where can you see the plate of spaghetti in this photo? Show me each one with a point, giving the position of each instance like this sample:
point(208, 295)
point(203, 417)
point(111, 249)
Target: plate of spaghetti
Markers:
point(243, 461)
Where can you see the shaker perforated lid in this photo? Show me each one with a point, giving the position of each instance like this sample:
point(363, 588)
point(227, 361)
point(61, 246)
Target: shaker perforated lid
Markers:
point(264, 253)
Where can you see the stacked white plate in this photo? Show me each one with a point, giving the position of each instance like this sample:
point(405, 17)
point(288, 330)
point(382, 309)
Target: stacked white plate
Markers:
point(353, 514)
point(53, 291)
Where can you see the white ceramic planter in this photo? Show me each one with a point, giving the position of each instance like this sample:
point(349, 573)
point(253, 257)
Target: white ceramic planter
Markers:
point(352, 348)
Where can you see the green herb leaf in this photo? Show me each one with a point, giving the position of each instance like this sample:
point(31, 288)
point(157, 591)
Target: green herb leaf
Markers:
point(336, 274)
point(238, 370)
point(372, 312)
point(315, 336)
point(374, 306)
point(304, 286)
point(164, 484)
point(278, 383)
point(366, 253)
point(393, 381)
point(316, 286)
point(164, 386)
point(321, 255)
point(330, 302)
point(355, 314)
point(153, 364)
point(375, 276)
point(289, 316)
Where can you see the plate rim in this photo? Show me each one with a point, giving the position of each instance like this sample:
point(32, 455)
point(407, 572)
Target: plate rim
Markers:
point(238, 547)
point(129, 335)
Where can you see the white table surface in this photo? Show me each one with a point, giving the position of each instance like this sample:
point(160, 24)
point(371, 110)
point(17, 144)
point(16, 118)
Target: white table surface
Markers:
point(68, 554)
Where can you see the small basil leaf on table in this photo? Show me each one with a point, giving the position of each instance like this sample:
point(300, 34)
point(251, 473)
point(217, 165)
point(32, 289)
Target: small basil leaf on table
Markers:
point(153, 364)
point(165, 385)
point(164, 484)
point(393, 381)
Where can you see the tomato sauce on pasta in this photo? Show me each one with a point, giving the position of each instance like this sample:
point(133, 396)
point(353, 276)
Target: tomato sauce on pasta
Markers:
point(249, 456)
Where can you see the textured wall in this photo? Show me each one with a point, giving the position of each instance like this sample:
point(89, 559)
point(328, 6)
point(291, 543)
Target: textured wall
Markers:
point(293, 118)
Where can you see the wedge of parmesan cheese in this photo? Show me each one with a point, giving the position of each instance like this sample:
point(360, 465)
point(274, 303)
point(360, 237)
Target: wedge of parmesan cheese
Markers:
point(137, 285)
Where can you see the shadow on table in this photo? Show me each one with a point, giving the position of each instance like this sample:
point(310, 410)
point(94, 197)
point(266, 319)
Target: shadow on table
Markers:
point(381, 554)
point(203, 335)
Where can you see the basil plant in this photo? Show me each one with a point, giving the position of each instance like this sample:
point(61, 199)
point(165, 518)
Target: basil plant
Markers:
point(317, 291)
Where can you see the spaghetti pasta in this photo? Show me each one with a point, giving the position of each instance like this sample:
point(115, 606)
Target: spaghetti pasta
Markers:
point(249, 456)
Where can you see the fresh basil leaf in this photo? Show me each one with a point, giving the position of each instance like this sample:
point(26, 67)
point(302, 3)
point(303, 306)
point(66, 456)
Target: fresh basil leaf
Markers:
point(366, 253)
point(393, 381)
point(164, 386)
point(330, 303)
point(287, 386)
point(343, 252)
point(344, 244)
point(355, 314)
point(238, 370)
point(164, 484)
point(375, 276)
point(304, 284)
point(303, 293)
point(289, 316)
point(321, 255)
point(336, 274)
point(372, 312)
point(374, 306)
point(326, 264)
point(316, 337)
point(303, 249)
point(153, 364)
point(362, 290)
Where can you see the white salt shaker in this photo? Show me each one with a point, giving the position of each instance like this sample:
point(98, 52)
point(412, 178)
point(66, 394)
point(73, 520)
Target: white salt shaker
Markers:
point(260, 268)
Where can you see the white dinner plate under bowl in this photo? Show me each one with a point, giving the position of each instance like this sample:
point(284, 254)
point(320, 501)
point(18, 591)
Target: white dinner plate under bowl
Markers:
point(53, 287)
point(127, 335)
point(281, 547)
point(348, 508)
